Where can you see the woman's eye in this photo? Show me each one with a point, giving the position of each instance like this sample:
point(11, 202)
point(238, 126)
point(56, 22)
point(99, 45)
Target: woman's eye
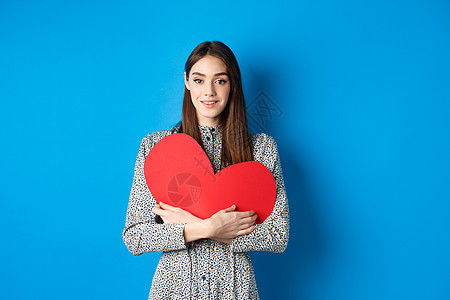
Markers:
point(221, 81)
point(197, 80)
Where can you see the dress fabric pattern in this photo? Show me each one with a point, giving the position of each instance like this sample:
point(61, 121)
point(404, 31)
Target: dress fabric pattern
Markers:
point(204, 269)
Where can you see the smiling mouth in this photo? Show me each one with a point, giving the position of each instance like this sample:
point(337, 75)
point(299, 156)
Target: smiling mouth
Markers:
point(209, 102)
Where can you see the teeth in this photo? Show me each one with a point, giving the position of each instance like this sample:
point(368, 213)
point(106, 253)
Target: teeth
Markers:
point(212, 102)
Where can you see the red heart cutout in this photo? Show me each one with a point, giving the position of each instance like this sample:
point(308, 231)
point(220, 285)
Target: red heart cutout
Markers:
point(178, 172)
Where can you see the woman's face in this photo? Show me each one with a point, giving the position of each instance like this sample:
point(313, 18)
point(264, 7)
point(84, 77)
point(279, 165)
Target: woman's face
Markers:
point(209, 85)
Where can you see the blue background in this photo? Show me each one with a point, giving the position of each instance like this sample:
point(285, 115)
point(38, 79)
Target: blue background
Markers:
point(363, 90)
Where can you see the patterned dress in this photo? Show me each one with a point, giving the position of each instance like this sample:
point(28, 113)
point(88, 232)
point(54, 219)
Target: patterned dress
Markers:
point(204, 269)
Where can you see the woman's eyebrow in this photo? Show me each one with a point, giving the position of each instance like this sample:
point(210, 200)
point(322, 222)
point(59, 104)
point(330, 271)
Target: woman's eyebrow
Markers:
point(197, 73)
point(222, 73)
point(217, 74)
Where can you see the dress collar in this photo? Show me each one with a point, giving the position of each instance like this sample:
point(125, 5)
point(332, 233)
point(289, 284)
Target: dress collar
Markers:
point(211, 129)
point(217, 128)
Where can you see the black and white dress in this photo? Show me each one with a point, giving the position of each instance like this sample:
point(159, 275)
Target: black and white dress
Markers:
point(204, 269)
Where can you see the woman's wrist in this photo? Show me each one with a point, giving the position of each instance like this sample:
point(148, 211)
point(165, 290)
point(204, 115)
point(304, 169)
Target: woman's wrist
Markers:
point(196, 231)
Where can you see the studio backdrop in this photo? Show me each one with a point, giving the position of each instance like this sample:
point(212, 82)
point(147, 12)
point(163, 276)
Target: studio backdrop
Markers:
point(355, 93)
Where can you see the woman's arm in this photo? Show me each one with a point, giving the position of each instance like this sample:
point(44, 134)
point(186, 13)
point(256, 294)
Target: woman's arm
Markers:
point(272, 234)
point(141, 233)
point(222, 226)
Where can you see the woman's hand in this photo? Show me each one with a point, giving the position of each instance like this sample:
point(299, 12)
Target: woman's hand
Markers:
point(223, 226)
point(229, 223)
point(174, 215)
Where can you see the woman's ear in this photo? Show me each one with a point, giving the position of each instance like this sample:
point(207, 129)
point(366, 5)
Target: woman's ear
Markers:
point(186, 81)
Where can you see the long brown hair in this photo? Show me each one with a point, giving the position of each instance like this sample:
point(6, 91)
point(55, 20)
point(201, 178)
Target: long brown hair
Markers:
point(236, 142)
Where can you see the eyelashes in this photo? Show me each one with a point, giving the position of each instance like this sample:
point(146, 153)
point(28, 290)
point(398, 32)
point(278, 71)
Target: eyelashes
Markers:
point(219, 81)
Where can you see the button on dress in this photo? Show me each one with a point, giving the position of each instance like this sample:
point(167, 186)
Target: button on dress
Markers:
point(204, 269)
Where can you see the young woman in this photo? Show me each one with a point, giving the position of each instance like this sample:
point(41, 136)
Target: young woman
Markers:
point(208, 259)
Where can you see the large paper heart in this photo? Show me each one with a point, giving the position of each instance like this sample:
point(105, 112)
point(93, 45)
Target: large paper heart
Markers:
point(178, 172)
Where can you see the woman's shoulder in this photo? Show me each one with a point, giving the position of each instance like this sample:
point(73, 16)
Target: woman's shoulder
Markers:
point(265, 149)
point(262, 139)
point(152, 138)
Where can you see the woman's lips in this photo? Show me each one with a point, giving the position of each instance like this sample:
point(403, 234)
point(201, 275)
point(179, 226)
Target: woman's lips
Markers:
point(210, 103)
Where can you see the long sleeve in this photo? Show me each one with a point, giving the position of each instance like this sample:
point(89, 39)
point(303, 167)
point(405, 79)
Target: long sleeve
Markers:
point(141, 233)
point(272, 234)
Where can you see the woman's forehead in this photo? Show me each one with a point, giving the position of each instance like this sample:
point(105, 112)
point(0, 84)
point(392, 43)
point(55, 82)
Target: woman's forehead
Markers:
point(209, 66)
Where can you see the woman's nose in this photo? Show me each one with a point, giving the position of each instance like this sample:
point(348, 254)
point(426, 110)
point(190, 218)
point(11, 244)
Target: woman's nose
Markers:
point(209, 90)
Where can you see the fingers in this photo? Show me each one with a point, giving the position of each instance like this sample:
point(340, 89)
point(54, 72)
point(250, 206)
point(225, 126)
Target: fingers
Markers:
point(247, 222)
point(244, 217)
point(231, 208)
point(161, 208)
point(242, 214)
point(246, 230)
point(157, 210)
point(167, 206)
point(229, 224)
point(249, 213)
